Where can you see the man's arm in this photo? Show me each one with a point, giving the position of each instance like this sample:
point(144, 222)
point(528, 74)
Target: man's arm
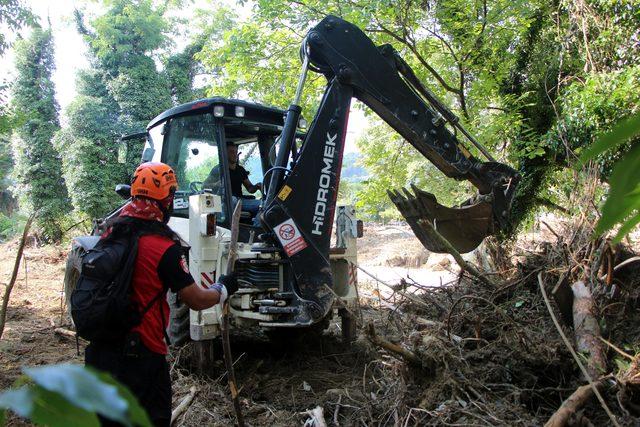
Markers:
point(174, 273)
point(198, 298)
point(251, 188)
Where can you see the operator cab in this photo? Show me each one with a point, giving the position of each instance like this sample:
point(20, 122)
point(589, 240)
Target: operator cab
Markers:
point(193, 138)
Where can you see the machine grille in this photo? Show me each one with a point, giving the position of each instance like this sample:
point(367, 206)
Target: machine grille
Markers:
point(259, 273)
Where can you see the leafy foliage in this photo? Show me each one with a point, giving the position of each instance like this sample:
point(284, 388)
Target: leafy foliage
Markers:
point(623, 203)
point(521, 74)
point(63, 395)
point(14, 14)
point(11, 226)
point(37, 173)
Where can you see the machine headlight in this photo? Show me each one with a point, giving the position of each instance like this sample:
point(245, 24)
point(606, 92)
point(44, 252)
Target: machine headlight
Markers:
point(218, 111)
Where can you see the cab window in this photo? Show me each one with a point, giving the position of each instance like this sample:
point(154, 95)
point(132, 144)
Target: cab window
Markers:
point(190, 148)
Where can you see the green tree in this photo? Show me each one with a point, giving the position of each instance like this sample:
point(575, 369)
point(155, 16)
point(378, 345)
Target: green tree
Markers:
point(39, 183)
point(90, 164)
point(14, 15)
point(120, 94)
point(181, 69)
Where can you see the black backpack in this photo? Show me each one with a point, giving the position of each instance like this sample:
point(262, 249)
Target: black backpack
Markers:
point(101, 305)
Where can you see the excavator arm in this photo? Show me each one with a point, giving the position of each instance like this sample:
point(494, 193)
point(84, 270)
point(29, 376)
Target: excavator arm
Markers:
point(302, 192)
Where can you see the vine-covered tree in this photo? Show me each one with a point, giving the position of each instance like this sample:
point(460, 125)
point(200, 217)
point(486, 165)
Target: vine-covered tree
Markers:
point(90, 163)
point(14, 15)
point(120, 94)
point(37, 173)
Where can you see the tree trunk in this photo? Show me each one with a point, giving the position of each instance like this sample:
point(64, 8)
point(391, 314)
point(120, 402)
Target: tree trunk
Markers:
point(587, 330)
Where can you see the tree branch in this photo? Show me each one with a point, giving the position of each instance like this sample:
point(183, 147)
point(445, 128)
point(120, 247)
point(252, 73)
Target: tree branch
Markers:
point(14, 274)
point(412, 47)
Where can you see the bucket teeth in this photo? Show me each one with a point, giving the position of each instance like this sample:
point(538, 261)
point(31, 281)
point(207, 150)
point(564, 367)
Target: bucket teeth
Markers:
point(464, 227)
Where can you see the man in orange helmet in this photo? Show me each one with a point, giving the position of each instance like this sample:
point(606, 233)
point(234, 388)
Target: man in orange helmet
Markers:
point(139, 361)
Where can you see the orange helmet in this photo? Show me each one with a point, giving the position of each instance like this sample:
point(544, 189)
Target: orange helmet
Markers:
point(154, 180)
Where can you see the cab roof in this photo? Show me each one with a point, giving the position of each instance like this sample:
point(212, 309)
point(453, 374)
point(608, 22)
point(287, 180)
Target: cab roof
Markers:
point(253, 111)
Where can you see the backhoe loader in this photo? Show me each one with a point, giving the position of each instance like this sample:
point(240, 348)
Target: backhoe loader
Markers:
point(290, 274)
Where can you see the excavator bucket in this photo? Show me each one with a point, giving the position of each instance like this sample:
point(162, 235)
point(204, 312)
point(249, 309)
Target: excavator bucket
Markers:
point(464, 227)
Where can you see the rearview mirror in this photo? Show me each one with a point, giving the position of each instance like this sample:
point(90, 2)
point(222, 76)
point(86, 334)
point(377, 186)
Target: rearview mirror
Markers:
point(124, 191)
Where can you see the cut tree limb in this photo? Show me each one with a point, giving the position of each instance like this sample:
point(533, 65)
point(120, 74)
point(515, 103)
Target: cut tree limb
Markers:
point(14, 275)
point(587, 330)
point(395, 349)
point(65, 332)
point(184, 404)
point(584, 371)
point(573, 404)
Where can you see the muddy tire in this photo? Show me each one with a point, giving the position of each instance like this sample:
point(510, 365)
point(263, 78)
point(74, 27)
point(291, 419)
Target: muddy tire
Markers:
point(178, 327)
point(71, 275)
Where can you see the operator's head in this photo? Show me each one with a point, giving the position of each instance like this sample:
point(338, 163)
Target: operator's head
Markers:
point(232, 153)
point(155, 181)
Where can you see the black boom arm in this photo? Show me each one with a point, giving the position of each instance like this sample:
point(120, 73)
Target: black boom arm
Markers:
point(300, 206)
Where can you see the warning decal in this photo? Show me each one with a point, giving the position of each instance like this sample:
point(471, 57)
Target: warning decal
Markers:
point(290, 237)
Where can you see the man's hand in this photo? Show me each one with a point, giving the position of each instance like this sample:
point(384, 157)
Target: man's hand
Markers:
point(199, 298)
point(230, 282)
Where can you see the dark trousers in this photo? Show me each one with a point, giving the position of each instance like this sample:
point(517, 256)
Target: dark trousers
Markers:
point(144, 372)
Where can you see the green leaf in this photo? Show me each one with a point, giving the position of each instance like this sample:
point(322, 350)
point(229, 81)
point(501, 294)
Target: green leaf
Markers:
point(3, 417)
point(627, 226)
point(622, 132)
point(137, 414)
point(53, 410)
point(622, 364)
point(621, 201)
point(519, 304)
point(18, 400)
point(83, 388)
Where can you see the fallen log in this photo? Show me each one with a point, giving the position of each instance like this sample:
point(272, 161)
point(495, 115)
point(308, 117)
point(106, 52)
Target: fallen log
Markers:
point(65, 332)
point(587, 330)
point(395, 349)
point(573, 404)
point(184, 404)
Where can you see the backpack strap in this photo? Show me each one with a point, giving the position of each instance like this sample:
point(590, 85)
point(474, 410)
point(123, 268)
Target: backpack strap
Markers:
point(148, 307)
point(155, 299)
